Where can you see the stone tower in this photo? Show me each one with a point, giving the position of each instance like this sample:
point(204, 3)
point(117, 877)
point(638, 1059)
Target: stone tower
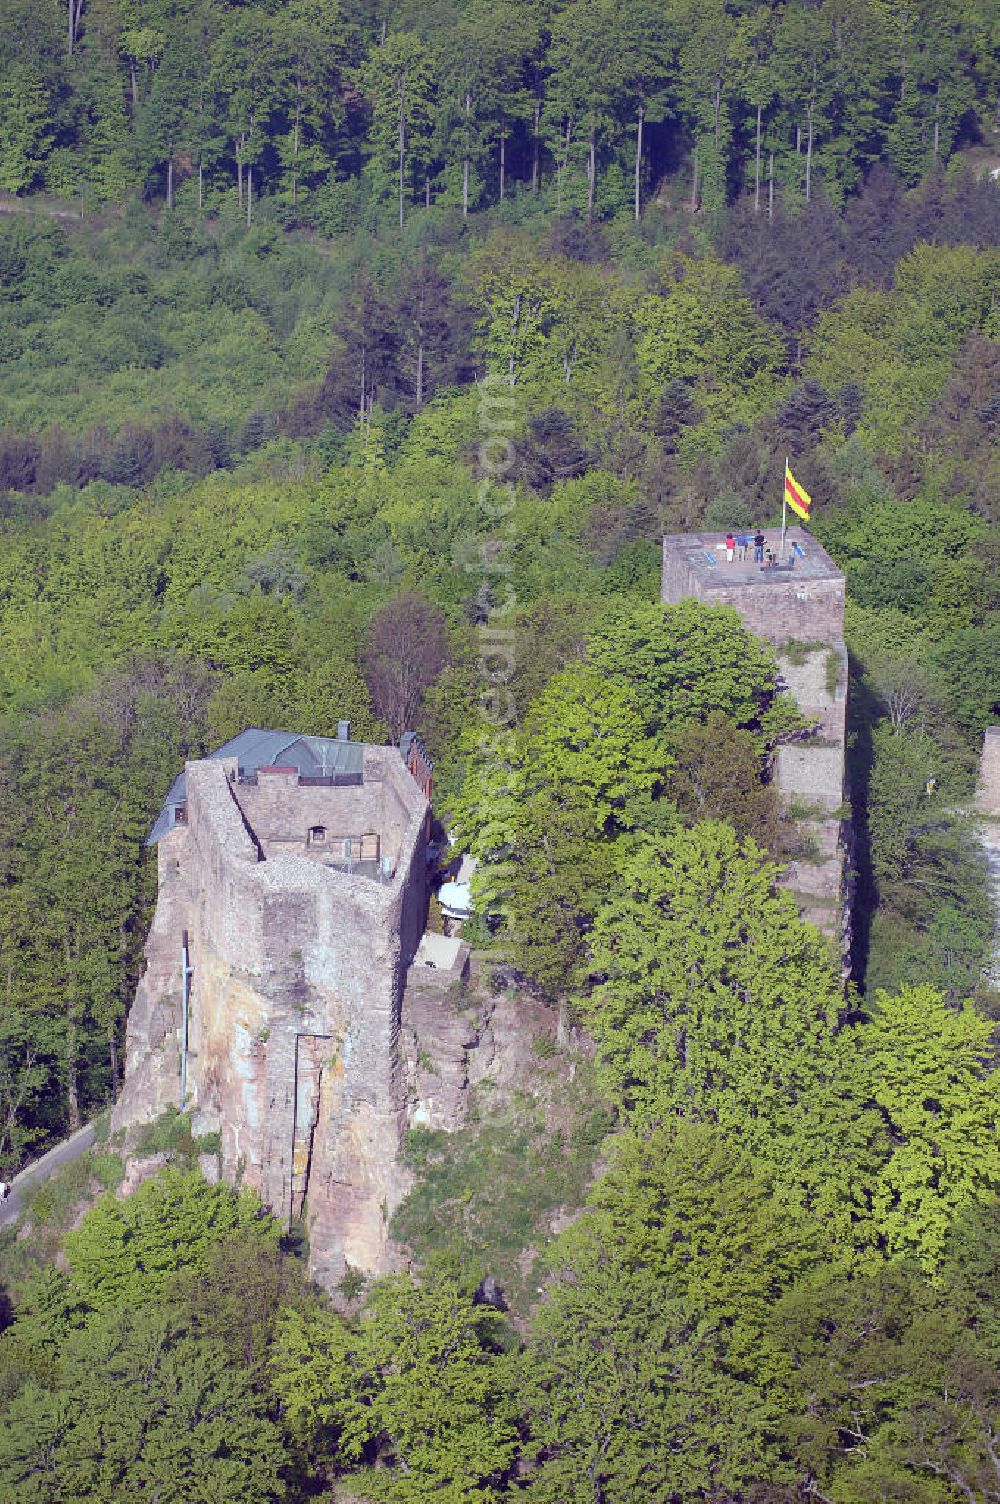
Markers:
point(291, 902)
point(798, 608)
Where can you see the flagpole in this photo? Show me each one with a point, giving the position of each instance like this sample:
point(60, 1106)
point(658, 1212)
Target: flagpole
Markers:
point(784, 507)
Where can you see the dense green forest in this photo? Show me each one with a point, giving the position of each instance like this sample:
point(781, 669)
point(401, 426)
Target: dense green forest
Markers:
point(332, 108)
point(353, 362)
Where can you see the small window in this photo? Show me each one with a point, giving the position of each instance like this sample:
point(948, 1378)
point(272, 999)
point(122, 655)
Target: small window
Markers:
point(317, 835)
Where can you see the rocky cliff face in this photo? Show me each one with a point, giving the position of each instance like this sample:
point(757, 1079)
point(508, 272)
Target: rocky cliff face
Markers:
point(296, 979)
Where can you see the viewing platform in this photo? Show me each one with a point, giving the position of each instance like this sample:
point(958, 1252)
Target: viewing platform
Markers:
point(800, 597)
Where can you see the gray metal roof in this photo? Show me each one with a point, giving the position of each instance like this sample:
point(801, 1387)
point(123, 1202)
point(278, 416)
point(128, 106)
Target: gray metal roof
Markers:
point(313, 756)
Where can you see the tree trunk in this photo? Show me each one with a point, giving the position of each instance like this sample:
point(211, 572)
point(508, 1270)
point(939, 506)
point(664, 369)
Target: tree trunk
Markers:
point(798, 140)
point(937, 120)
point(694, 179)
point(756, 180)
point(201, 186)
point(638, 161)
point(503, 160)
point(420, 374)
point(564, 162)
point(562, 1023)
point(72, 1085)
point(295, 143)
point(809, 152)
point(427, 190)
point(402, 153)
point(465, 158)
point(770, 189)
point(364, 380)
point(718, 110)
point(536, 147)
point(74, 9)
point(249, 194)
point(135, 84)
point(591, 176)
point(170, 183)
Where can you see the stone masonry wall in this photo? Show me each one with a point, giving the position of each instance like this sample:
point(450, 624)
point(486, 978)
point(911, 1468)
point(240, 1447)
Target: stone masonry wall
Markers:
point(989, 772)
point(989, 831)
point(804, 607)
point(774, 609)
point(297, 974)
point(281, 812)
point(810, 779)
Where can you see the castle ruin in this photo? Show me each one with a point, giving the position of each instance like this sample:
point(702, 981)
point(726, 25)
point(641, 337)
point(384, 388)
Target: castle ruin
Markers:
point(797, 607)
point(292, 899)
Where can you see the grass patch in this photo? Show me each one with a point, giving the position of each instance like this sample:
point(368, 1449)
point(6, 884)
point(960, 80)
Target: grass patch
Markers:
point(51, 1208)
point(488, 1192)
point(797, 811)
point(796, 652)
point(171, 1134)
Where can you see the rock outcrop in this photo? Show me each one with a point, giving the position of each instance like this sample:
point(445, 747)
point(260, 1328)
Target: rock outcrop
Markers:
point(297, 905)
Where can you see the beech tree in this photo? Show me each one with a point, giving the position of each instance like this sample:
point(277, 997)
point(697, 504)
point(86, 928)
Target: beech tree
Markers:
point(686, 661)
point(716, 1000)
point(142, 1409)
point(25, 129)
point(128, 1251)
point(627, 1393)
point(398, 81)
point(420, 1383)
point(540, 807)
point(584, 96)
point(931, 1071)
point(406, 649)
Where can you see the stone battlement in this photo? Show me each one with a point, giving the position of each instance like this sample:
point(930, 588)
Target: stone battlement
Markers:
point(299, 904)
point(803, 599)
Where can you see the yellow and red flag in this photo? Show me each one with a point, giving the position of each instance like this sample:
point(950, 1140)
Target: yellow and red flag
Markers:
point(797, 496)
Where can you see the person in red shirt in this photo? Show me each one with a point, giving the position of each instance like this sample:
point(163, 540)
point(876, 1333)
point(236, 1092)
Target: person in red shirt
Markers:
point(730, 547)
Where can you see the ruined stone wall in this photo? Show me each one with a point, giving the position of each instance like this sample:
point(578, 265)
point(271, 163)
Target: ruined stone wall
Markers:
point(383, 771)
point(804, 607)
point(988, 800)
point(810, 777)
point(293, 1036)
point(989, 772)
point(153, 1036)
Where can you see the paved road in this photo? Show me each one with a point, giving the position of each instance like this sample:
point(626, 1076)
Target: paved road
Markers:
point(63, 1154)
